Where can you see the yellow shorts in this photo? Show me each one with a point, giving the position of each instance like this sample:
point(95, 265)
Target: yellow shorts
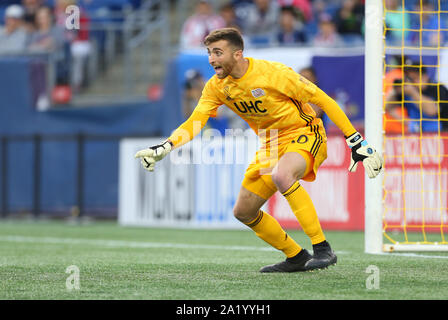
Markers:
point(312, 145)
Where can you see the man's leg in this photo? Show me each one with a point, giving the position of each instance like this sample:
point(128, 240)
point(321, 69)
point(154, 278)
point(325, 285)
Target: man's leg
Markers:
point(291, 167)
point(247, 210)
point(286, 174)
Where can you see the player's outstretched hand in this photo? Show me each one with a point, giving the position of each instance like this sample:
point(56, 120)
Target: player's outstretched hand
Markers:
point(362, 151)
point(151, 155)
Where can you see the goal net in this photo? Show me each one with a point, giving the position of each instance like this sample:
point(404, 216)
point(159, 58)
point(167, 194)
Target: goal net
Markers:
point(414, 186)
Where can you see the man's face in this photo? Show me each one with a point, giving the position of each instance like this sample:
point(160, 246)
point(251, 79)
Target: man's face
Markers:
point(414, 76)
point(32, 3)
point(221, 57)
point(12, 24)
point(263, 5)
point(287, 21)
point(327, 28)
point(203, 8)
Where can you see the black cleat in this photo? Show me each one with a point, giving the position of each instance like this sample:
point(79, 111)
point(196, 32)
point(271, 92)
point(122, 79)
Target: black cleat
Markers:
point(323, 255)
point(298, 263)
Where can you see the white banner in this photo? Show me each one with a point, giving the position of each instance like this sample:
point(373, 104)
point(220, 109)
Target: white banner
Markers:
point(195, 186)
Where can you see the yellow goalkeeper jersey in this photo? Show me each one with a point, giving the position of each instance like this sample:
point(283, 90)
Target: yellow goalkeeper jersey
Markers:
point(269, 96)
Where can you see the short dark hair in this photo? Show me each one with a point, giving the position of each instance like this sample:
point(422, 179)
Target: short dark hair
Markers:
point(232, 35)
point(414, 67)
point(289, 9)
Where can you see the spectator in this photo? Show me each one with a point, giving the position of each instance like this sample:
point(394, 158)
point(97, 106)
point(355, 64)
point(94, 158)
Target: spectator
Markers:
point(7, 3)
point(194, 83)
point(350, 17)
point(426, 22)
point(319, 8)
point(397, 20)
point(395, 112)
point(13, 36)
point(419, 99)
point(78, 41)
point(47, 37)
point(31, 7)
point(327, 35)
point(261, 21)
point(61, 18)
point(303, 6)
point(309, 73)
point(291, 29)
point(431, 96)
point(198, 26)
point(228, 14)
point(241, 2)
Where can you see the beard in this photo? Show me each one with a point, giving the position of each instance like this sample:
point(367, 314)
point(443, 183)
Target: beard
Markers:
point(225, 69)
point(221, 74)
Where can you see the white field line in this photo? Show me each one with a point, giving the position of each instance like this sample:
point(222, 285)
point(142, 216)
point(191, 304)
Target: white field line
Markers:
point(140, 244)
point(132, 244)
point(126, 244)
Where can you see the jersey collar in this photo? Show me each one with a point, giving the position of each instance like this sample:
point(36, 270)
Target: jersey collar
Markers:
point(249, 69)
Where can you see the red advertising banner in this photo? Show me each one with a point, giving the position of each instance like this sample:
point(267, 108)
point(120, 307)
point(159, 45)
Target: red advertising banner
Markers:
point(415, 186)
point(415, 183)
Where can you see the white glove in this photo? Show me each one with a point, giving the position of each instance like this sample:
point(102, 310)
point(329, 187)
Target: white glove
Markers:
point(151, 155)
point(362, 151)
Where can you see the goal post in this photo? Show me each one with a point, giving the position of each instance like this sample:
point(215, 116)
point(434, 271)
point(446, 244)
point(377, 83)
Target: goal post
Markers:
point(406, 206)
point(373, 125)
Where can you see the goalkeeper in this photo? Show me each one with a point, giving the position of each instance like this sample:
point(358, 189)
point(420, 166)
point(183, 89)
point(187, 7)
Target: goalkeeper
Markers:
point(273, 99)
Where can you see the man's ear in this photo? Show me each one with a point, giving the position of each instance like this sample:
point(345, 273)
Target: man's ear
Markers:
point(238, 54)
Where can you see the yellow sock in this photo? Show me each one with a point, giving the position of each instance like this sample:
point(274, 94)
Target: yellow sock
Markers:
point(269, 230)
point(303, 208)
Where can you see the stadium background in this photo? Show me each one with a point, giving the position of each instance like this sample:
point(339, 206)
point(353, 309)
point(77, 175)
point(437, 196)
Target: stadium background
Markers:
point(60, 140)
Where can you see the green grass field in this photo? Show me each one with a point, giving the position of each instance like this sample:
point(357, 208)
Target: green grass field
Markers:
point(141, 263)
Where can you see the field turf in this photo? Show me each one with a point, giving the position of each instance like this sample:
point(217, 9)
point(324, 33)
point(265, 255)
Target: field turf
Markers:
point(172, 264)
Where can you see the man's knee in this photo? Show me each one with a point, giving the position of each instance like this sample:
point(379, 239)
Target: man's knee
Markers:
point(283, 179)
point(238, 213)
point(243, 214)
point(291, 167)
point(247, 206)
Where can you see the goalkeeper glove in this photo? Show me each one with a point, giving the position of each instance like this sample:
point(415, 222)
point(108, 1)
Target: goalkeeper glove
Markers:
point(150, 156)
point(362, 151)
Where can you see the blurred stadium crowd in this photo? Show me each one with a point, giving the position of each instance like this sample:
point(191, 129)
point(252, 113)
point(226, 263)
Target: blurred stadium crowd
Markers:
point(39, 26)
point(280, 22)
point(322, 23)
point(337, 23)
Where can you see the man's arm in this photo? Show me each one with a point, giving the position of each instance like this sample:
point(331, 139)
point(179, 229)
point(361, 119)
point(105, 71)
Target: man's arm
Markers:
point(292, 84)
point(185, 133)
point(392, 105)
point(428, 105)
point(333, 111)
point(361, 150)
point(189, 129)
